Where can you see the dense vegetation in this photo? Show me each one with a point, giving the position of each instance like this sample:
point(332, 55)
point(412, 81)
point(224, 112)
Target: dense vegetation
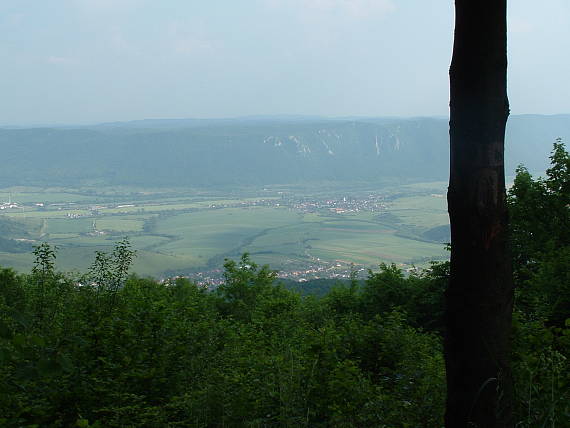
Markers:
point(108, 349)
point(258, 152)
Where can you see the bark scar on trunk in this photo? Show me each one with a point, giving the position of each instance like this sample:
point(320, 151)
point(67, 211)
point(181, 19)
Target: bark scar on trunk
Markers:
point(491, 234)
point(486, 192)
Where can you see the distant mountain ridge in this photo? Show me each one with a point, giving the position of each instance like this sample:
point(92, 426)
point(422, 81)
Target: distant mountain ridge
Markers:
point(254, 151)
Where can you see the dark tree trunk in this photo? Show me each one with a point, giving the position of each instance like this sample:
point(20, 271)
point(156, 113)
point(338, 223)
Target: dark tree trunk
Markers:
point(480, 295)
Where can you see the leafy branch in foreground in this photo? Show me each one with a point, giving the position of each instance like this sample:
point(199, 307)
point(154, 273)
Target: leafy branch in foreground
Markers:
point(44, 262)
point(109, 271)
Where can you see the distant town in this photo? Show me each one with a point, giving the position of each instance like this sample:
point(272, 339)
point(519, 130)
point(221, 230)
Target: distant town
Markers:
point(338, 205)
point(211, 274)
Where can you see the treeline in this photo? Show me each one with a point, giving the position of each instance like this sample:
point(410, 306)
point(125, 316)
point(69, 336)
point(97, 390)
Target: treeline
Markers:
point(112, 350)
point(251, 353)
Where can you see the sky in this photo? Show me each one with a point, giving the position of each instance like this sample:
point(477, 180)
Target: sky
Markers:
point(90, 61)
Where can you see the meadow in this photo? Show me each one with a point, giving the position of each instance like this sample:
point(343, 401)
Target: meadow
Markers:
point(182, 231)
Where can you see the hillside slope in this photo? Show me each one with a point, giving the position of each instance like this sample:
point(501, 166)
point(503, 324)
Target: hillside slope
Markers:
point(252, 151)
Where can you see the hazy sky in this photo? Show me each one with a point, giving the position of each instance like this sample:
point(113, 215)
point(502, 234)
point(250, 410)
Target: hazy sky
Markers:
point(81, 61)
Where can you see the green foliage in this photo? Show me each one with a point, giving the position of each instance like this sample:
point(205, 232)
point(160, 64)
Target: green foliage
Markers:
point(174, 354)
point(558, 175)
point(44, 262)
point(110, 271)
point(113, 350)
point(540, 233)
point(419, 295)
point(244, 284)
point(540, 229)
point(385, 290)
point(249, 354)
point(542, 374)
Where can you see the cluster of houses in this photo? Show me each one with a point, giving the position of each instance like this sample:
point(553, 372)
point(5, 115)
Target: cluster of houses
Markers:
point(9, 204)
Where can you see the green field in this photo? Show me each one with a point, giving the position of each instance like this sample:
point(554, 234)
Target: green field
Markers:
point(182, 231)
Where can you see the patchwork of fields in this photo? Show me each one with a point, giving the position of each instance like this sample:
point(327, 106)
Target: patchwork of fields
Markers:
point(184, 231)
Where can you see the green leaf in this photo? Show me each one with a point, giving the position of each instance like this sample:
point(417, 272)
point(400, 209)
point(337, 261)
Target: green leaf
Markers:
point(65, 362)
point(5, 356)
point(48, 367)
point(20, 318)
point(5, 331)
point(37, 340)
point(19, 340)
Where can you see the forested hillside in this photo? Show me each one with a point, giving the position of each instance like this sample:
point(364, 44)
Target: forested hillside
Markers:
point(258, 152)
point(107, 349)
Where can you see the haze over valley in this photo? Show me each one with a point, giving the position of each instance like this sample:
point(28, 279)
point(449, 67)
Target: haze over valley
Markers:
point(312, 197)
point(256, 152)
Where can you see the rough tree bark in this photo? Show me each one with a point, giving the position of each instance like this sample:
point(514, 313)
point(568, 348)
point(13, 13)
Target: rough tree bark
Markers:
point(479, 298)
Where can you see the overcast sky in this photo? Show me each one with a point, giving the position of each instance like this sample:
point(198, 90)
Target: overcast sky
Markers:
point(85, 61)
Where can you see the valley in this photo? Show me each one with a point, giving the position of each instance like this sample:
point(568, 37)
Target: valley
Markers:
point(190, 193)
point(318, 231)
